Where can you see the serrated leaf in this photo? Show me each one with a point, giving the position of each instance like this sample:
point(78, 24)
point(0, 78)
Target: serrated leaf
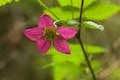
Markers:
point(101, 11)
point(75, 3)
point(92, 25)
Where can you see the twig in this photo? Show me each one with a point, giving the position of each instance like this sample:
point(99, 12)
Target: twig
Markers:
point(81, 43)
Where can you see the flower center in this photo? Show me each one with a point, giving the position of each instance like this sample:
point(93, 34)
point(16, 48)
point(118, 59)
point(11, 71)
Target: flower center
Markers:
point(50, 33)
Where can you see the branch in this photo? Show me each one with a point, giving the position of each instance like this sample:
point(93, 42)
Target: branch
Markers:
point(81, 43)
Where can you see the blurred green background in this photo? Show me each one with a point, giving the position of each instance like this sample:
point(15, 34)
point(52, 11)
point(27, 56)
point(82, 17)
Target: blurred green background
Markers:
point(19, 59)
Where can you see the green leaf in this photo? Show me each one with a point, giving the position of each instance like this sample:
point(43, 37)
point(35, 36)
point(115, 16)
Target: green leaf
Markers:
point(92, 25)
point(96, 65)
point(75, 3)
point(62, 14)
point(76, 56)
point(101, 11)
point(61, 71)
point(5, 2)
point(91, 49)
point(67, 67)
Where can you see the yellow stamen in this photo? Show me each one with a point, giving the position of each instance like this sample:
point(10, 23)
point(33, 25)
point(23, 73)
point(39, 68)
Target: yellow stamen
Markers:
point(50, 33)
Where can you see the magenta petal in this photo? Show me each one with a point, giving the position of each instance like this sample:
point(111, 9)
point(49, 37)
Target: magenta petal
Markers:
point(67, 32)
point(33, 34)
point(61, 45)
point(45, 21)
point(43, 46)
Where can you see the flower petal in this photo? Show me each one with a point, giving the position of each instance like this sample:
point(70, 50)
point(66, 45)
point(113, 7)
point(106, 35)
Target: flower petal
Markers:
point(61, 45)
point(45, 21)
point(43, 46)
point(67, 32)
point(33, 34)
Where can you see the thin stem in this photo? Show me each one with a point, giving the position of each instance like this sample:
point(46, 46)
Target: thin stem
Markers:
point(43, 5)
point(81, 12)
point(72, 11)
point(81, 43)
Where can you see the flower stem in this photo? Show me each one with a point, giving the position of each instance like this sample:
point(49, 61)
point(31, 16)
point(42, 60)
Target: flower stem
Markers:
point(43, 5)
point(81, 43)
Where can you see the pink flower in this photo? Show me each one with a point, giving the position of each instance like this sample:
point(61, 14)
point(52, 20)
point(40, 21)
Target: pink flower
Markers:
point(46, 33)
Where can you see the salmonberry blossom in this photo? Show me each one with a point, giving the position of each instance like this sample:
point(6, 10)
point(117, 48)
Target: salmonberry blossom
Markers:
point(47, 33)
